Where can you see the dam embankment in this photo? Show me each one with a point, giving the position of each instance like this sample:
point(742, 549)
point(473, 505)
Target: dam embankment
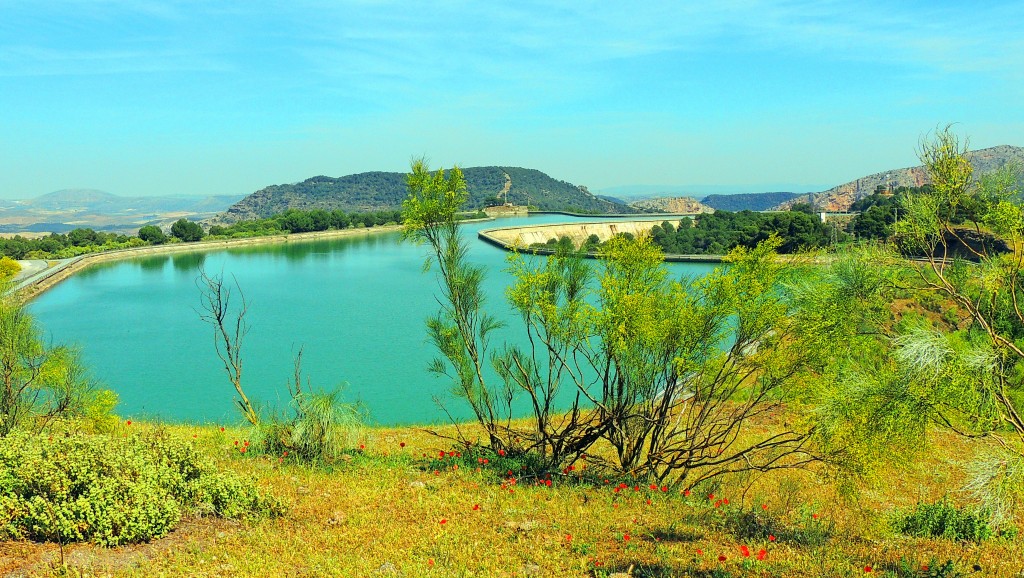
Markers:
point(521, 238)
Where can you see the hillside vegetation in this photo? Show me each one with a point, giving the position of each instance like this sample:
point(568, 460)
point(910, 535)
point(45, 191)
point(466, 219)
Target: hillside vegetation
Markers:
point(377, 191)
point(747, 201)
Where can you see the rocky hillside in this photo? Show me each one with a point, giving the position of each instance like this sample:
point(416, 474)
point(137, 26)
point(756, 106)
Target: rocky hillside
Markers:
point(376, 191)
point(838, 199)
point(672, 205)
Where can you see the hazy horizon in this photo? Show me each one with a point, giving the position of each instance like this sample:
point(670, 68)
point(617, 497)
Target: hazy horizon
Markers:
point(169, 97)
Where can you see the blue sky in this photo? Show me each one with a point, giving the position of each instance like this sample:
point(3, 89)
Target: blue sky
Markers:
point(199, 97)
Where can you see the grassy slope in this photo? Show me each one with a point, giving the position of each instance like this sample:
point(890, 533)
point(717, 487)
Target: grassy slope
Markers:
point(391, 511)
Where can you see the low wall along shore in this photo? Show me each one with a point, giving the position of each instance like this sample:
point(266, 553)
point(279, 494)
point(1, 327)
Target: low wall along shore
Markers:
point(30, 287)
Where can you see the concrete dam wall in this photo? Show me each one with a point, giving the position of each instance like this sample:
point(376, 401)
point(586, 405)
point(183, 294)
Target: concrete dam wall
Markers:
point(522, 237)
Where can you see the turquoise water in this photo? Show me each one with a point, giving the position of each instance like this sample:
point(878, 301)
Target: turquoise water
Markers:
point(356, 305)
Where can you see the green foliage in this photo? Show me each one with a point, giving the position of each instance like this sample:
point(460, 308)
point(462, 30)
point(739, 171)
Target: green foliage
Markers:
point(320, 430)
point(187, 231)
point(41, 383)
point(944, 520)
point(460, 330)
point(719, 232)
point(58, 246)
point(152, 235)
point(113, 490)
point(8, 268)
point(747, 201)
point(667, 372)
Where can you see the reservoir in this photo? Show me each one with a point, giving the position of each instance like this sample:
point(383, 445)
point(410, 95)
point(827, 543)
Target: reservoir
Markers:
point(355, 305)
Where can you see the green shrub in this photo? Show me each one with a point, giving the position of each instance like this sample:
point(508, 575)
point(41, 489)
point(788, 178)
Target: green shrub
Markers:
point(113, 490)
point(8, 268)
point(321, 429)
point(944, 520)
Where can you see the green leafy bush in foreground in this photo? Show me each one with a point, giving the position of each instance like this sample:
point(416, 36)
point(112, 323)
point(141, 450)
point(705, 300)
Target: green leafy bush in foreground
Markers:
point(944, 520)
point(113, 490)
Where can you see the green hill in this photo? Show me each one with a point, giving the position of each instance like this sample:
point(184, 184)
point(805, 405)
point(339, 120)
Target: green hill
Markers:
point(747, 201)
point(376, 191)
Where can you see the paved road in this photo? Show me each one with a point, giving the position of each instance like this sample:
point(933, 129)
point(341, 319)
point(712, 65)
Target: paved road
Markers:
point(33, 270)
point(29, 268)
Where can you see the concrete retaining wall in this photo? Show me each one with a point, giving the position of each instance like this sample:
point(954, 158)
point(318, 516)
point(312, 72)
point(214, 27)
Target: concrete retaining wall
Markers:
point(523, 237)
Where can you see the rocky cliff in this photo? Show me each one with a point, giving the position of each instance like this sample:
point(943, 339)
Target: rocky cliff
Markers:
point(679, 205)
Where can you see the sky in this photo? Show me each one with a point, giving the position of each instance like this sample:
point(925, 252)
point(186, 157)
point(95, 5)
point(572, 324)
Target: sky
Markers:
point(151, 97)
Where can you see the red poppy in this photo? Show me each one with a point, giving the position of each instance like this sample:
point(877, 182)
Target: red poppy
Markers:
point(721, 557)
point(686, 493)
point(129, 422)
point(745, 551)
point(654, 486)
point(501, 452)
point(444, 521)
point(476, 506)
point(761, 554)
point(568, 537)
point(725, 501)
point(867, 569)
point(664, 488)
point(625, 537)
point(711, 497)
point(700, 552)
point(764, 506)
point(401, 445)
point(771, 537)
point(222, 428)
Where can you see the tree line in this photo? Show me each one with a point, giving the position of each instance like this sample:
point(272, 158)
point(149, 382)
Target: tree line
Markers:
point(85, 240)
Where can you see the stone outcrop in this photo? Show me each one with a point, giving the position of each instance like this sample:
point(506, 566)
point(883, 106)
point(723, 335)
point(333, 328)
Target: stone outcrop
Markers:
point(677, 205)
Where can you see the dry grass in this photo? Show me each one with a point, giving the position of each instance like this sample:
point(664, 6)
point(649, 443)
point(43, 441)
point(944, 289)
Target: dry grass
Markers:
point(394, 510)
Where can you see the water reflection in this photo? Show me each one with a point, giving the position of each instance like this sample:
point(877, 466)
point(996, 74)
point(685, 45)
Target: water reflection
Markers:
point(154, 264)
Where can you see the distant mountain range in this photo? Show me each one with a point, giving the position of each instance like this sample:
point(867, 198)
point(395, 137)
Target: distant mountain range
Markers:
point(839, 199)
point(376, 191)
point(61, 211)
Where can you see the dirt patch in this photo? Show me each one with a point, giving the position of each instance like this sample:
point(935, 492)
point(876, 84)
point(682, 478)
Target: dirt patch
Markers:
point(25, 559)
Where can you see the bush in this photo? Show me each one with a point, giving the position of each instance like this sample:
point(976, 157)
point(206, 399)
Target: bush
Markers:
point(113, 490)
point(321, 429)
point(186, 230)
point(152, 234)
point(8, 268)
point(944, 520)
